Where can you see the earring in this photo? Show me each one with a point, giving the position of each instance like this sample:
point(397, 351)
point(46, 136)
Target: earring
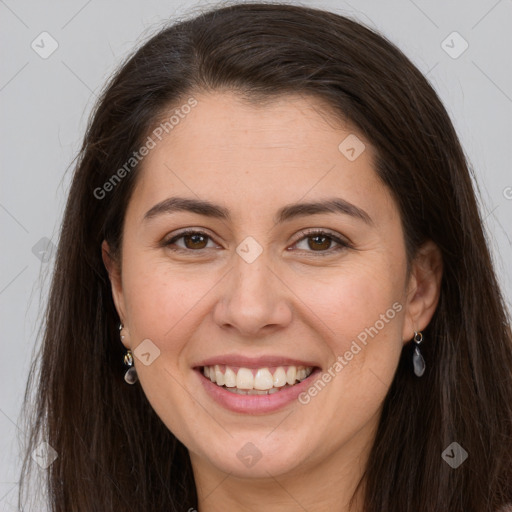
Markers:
point(417, 359)
point(131, 374)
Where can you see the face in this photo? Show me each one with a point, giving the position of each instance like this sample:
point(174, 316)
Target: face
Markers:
point(269, 292)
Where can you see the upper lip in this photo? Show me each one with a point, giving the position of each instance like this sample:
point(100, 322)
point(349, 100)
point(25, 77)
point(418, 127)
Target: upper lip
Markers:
point(254, 362)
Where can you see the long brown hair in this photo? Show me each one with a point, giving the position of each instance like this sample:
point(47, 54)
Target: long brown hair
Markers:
point(114, 452)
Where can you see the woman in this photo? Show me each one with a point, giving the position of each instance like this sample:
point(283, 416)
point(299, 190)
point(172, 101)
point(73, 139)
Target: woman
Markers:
point(272, 289)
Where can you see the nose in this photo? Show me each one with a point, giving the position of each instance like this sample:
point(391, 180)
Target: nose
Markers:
point(255, 300)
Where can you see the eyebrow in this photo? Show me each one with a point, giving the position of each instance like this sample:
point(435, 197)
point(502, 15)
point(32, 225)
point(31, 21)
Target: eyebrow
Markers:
point(288, 212)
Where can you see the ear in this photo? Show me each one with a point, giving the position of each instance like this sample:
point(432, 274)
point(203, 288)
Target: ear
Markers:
point(423, 289)
point(114, 274)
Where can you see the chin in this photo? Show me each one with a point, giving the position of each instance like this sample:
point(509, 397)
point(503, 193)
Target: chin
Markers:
point(256, 458)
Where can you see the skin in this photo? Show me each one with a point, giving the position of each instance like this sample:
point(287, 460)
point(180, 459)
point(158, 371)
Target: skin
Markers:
point(192, 305)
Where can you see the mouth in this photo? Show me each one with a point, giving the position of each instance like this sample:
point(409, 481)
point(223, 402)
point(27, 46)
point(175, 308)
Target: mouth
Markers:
point(255, 385)
point(256, 381)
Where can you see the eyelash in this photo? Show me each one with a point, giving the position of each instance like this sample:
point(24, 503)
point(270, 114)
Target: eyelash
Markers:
point(342, 244)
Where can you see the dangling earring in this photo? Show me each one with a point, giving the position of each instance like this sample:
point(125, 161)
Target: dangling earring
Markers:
point(131, 374)
point(417, 359)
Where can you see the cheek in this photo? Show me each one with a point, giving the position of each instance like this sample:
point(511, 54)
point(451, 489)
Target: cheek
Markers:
point(162, 306)
point(161, 300)
point(350, 299)
point(358, 313)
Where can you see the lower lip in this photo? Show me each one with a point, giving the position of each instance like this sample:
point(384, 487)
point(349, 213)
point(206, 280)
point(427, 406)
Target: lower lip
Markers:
point(255, 404)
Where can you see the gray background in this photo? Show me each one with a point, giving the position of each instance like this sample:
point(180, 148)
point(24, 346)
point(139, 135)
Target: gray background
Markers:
point(45, 104)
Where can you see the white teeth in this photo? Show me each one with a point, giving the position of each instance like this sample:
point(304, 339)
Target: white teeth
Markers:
point(279, 377)
point(219, 376)
point(263, 379)
point(244, 379)
point(229, 378)
point(291, 375)
point(263, 382)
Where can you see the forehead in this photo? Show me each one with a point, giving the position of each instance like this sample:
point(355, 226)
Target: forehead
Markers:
point(225, 125)
point(278, 151)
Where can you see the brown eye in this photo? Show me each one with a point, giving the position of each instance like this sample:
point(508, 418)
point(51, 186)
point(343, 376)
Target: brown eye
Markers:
point(321, 242)
point(192, 240)
point(196, 241)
